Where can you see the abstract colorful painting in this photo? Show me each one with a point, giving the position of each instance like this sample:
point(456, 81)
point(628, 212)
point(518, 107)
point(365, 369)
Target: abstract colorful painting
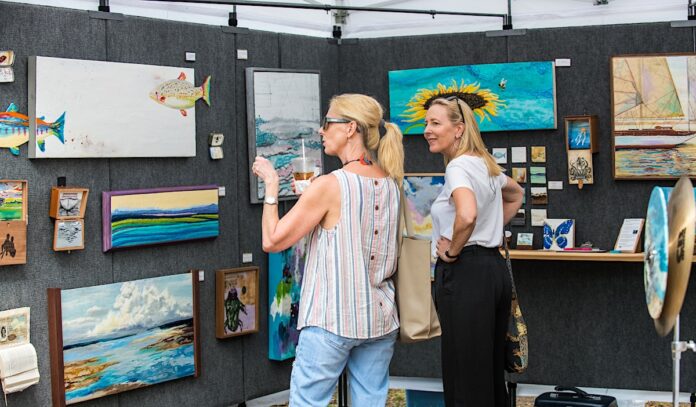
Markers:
point(508, 96)
point(654, 116)
point(283, 118)
point(111, 109)
point(420, 191)
point(12, 200)
point(519, 174)
point(538, 154)
point(285, 271)
point(117, 337)
point(144, 217)
point(539, 196)
point(236, 302)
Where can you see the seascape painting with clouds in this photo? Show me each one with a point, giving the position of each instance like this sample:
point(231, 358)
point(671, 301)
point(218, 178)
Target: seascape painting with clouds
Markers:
point(122, 336)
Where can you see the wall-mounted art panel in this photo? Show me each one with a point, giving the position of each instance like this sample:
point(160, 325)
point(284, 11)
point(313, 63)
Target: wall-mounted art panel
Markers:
point(559, 234)
point(420, 191)
point(110, 109)
point(236, 302)
point(509, 96)
point(116, 337)
point(654, 116)
point(14, 215)
point(69, 234)
point(285, 271)
point(283, 118)
point(144, 217)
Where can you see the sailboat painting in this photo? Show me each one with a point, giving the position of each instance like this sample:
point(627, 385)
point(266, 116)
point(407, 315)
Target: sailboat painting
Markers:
point(654, 116)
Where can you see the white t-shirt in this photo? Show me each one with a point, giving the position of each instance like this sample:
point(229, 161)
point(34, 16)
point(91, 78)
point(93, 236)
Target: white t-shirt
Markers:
point(470, 172)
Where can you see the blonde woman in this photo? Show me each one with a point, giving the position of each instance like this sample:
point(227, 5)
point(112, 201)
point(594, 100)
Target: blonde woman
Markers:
point(347, 314)
point(472, 285)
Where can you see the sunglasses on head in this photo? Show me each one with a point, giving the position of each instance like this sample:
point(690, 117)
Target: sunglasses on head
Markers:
point(329, 120)
point(456, 99)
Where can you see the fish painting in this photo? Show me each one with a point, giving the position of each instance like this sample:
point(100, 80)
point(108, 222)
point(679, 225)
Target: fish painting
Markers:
point(180, 94)
point(14, 129)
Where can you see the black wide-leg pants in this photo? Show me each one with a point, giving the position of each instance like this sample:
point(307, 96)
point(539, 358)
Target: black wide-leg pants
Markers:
point(472, 297)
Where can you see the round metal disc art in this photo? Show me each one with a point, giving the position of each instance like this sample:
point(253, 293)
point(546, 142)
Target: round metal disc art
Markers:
point(656, 260)
point(681, 214)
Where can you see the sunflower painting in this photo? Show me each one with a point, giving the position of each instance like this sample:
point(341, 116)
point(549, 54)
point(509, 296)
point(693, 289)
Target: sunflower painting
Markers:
point(510, 96)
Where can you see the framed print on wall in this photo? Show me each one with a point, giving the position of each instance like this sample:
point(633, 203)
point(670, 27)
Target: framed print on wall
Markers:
point(102, 109)
point(14, 216)
point(505, 96)
point(283, 119)
point(654, 116)
point(236, 302)
point(67, 203)
point(144, 217)
point(69, 234)
point(138, 333)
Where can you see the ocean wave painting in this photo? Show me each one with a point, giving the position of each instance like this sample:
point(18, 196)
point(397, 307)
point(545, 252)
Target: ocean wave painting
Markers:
point(284, 115)
point(166, 215)
point(123, 336)
point(507, 96)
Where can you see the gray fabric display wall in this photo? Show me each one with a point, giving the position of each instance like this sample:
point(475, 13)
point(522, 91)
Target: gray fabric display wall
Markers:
point(588, 323)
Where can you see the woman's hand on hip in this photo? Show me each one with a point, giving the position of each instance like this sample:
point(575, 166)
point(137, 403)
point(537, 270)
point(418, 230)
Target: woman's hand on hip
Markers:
point(443, 244)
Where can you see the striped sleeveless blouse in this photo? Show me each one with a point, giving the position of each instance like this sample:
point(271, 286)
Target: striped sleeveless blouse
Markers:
point(346, 287)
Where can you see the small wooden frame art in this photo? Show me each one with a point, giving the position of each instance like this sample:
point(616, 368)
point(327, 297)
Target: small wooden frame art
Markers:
point(67, 207)
point(13, 222)
point(154, 343)
point(582, 134)
point(236, 302)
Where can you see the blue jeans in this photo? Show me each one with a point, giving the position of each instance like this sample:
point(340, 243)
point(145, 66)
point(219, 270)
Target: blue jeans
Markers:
point(320, 358)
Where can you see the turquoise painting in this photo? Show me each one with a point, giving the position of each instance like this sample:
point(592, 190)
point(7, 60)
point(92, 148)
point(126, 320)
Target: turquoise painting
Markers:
point(509, 96)
point(285, 271)
point(578, 135)
point(156, 216)
point(124, 336)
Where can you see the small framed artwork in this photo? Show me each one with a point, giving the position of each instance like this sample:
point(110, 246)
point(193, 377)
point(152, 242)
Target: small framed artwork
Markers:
point(520, 218)
point(524, 241)
point(13, 238)
point(538, 154)
point(69, 234)
point(537, 175)
point(500, 155)
point(519, 154)
point(13, 200)
point(629, 235)
point(67, 203)
point(582, 133)
point(559, 234)
point(236, 302)
point(519, 174)
point(539, 196)
point(538, 217)
point(580, 167)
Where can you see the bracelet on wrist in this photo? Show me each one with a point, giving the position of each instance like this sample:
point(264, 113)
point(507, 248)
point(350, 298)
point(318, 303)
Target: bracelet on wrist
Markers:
point(451, 256)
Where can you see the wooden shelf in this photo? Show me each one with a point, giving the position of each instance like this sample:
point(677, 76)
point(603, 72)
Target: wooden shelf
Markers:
point(574, 256)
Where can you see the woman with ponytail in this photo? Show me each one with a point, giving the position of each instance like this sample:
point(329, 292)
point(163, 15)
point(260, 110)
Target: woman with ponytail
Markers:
point(347, 314)
point(472, 284)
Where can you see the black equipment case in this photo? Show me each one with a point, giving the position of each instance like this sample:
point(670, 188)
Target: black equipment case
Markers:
point(573, 397)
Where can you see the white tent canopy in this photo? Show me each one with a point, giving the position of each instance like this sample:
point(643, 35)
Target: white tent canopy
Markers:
point(366, 24)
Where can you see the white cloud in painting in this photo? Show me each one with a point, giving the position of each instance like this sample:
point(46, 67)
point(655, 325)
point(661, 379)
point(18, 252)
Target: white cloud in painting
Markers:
point(140, 307)
point(96, 311)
